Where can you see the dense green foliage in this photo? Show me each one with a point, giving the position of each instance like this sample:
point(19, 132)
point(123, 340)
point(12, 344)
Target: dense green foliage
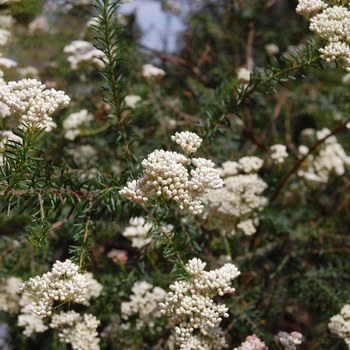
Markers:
point(55, 204)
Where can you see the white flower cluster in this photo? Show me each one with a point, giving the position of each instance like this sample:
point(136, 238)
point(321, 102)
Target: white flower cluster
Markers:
point(132, 100)
point(243, 75)
point(7, 21)
point(83, 51)
point(63, 283)
point(31, 102)
point(250, 164)
point(74, 121)
point(332, 25)
point(148, 71)
point(331, 158)
point(7, 62)
point(190, 305)
point(189, 141)
point(279, 153)
point(137, 232)
point(144, 303)
point(7, 135)
point(11, 301)
point(10, 295)
point(165, 176)
point(272, 49)
point(5, 36)
point(236, 205)
point(252, 342)
point(32, 323)
point(340, 324)
point(307, 7)
point(79, 331)
point(289, 341)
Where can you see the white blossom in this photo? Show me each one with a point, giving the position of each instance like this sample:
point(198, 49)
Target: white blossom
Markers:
point(10, 294)
point(238, 202)
point(272, 49)
point(340, 324)
point(279, 153)
point(83, 51)
point(247, 227)
point(7, 62)
point(331, 158)
point(165, 176)
point(190, 305)
point(307, 7)
point(243, 75)
point(148, 71)
point(29, 99)
point(331, 23)
point(189, 141)
point(78, 331)
point(137, 232)
point(74, 121)
point(250, 164)
point(7, 21)
point(31, 322)
point(132, 100)
point(252, 342)
point(64, 283)
point(289, 340)
point(5, 36)
point(143, 303)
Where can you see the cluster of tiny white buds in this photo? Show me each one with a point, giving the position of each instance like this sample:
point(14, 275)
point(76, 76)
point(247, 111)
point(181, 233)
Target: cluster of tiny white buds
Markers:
point(340, 324)
point(332, 25)
point(279, 152)
point(307, 7)
point(148, 71)
point(289, 341)
point(237, 204)
point(252, 342)
point(189, 141)
point(190, 303)
point(64, 283)
point(165, 176)
point(29, 100)
point(79, 331)
point(251, 164)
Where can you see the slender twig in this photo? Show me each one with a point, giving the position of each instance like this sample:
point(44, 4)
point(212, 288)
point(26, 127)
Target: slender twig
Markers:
point(250, 39)
point(41, 207)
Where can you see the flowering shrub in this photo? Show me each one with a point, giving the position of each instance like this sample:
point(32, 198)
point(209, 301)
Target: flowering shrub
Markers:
point(194, 198)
